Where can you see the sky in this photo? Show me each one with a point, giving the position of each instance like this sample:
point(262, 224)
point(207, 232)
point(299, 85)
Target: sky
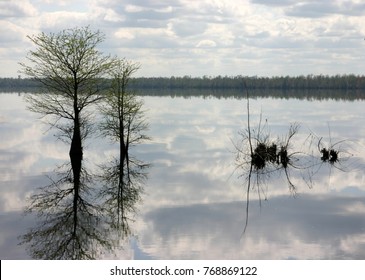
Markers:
point(201, 37)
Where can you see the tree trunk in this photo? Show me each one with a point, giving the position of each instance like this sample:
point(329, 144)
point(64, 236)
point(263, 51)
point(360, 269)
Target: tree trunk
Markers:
point(76, 159)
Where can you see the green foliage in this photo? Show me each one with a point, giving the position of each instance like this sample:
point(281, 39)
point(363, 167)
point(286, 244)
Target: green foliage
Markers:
point(67, 62)
point(68, 67)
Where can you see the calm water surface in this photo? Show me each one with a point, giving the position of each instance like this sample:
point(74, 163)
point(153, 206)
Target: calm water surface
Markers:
point(194, 200)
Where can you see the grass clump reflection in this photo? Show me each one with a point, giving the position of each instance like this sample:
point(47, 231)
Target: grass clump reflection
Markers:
point(261, 157)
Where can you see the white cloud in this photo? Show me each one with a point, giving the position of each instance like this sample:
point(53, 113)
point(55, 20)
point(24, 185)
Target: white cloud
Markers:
point(134, 9)
point(61, 19)
point(206, 44)
point(124, 34)
point(11, 35)
point(112, 16)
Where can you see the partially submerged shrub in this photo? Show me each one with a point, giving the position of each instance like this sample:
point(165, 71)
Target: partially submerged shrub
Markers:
point(264, 154)
point(330, 155)
point(259, 156)
point(283, 157)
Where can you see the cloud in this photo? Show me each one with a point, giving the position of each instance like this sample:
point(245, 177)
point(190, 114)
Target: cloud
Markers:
point(202, 37)
point(183, 28)
point(206, 44)
point(278, 3)
point(316, 9)
point(61, 20)
point(313, 9)
point(17, 9)
point(150, 14)
point(11, 34)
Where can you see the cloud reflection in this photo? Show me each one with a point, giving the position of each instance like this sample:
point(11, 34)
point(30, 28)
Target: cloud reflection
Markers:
point(194, 218)
point(194, 204)
point(309, 227)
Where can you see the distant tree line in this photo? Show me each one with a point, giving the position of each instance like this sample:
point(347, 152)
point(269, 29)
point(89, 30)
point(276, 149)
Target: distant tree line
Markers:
point(18, 85)
point(348, 82)
point(312, 82)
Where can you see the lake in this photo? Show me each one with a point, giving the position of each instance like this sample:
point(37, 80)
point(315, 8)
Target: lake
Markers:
point(194, 199)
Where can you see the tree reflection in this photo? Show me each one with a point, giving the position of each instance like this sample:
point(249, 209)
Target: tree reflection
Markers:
point(68, 225)
point(122, 185)
point(77, 220)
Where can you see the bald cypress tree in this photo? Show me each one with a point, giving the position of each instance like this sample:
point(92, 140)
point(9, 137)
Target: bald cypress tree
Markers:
point(69, 67)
